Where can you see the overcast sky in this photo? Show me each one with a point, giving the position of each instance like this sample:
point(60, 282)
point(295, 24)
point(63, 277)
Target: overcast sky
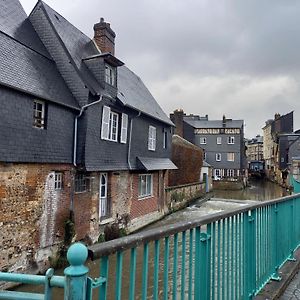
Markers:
point(240, 58)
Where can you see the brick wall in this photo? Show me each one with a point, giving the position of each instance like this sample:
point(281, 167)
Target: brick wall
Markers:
point(146, 205)
point(188, 158)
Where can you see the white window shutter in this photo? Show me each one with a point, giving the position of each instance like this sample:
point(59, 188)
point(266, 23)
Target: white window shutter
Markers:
point(149, 138)
point(105, 123)
point(154, 138)
point(124, 126)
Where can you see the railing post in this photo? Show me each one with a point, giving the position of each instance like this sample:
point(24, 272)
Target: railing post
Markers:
point(275, 246)
point(76, 273)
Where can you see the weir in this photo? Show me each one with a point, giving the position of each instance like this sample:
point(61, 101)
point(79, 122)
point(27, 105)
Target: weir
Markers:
point(227, 255)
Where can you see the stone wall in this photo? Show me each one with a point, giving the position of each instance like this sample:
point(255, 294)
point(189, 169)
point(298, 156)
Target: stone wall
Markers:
point(32, 213)
point(180, 196)
point(228, 185)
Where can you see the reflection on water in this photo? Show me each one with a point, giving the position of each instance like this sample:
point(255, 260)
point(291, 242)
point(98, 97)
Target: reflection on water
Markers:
point(258, 190)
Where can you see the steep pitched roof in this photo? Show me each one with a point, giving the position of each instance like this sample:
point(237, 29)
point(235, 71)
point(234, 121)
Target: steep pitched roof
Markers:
point(133, 93)
point(14, 22)
point(77, 44)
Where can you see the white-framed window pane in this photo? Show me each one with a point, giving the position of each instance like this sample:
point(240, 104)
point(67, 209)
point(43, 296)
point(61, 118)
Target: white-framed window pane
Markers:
point(218, 156)
point(109, 75)
point(58, 180)
point(145, 185)
point(152, 138)
point(114, 118)
point(230, 156)
point(39, 114)
point(203, 140)
point(165, 141)
point(219, 140)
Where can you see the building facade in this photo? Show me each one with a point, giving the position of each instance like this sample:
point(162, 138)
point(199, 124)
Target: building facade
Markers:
point(221, 140)
point(83, 141)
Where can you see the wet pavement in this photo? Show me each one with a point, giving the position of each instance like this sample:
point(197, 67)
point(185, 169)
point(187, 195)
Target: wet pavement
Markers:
point(293, 290)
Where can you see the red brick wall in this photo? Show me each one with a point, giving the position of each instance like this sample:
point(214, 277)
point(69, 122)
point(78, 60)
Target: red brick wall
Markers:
point(146, 205)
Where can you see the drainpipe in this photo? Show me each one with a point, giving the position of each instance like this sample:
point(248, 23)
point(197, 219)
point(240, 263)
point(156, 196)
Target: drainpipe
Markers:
point(75, 148)
point(129, 144)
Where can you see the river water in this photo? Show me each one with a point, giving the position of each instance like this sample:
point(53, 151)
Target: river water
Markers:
point(257, 191)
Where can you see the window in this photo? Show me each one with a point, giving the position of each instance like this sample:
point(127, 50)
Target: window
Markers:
point(113, 124)
point(230, 156)
point(230, 140)
point(39, 114)
point(145, 185)
point(80, 183)
point(218, 156)
point(217, 174)
point(109, 75)
point(124, 126)
point(230, 173)
point(219, 140)
point(152, 138)
point(165, 137)
point(203, 140)
point(110, 125)
point(58, 180)
point(204, 156)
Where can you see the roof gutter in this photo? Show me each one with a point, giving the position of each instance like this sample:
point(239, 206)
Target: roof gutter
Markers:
point(76, 127)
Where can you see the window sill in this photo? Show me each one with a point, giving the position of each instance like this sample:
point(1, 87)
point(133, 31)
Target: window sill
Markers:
point(145, 197)
point(106, 221)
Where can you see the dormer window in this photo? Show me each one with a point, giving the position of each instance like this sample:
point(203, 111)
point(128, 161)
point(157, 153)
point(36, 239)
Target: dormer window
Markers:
point(110, 74)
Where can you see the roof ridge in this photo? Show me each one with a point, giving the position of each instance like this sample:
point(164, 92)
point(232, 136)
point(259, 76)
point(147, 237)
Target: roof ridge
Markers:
point(26, 46)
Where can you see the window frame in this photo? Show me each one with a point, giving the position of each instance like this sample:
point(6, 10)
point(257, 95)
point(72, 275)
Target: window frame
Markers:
point(165, 139)
point(230, 140)
point(152, 138)
point(110, 75)
point(39, 121)
point(124, 128)
point(230, 173)
point(219, 140)
point(202, 140)
point(113, 135)
point(58, 180)
point(147, 193)
point(218, 156)
point(80, 184)
point(230, 154)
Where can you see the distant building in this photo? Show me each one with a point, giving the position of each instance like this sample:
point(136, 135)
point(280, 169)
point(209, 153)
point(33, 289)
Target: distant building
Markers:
point(222, 141)
point(254, 149)
point(275, 146)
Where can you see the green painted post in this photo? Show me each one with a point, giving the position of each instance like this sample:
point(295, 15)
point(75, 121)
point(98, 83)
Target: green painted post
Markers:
point(76, 273)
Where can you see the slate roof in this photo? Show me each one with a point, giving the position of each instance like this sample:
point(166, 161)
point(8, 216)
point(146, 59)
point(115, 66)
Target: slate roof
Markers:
point(196, 123)
point(133, 93)
point(77, 44)
point(152, 164)
point(25, 70)
point(14, 22)
point(24, 62)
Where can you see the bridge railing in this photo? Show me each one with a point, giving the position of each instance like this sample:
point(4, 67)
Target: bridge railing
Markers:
point(228, 255)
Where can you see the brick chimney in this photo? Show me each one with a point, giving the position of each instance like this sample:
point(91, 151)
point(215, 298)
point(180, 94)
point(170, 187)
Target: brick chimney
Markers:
point(177, 118)
point(104, 37)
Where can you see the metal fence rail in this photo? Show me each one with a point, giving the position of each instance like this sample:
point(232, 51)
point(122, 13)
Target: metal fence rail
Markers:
point(228, 255)
point(224, 256)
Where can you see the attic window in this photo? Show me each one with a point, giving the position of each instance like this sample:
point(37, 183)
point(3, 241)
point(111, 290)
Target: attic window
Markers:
point(110, 75)
point(56, 17)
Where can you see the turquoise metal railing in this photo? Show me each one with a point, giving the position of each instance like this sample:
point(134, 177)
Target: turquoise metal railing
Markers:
point(74, 282)
point(228, 255)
